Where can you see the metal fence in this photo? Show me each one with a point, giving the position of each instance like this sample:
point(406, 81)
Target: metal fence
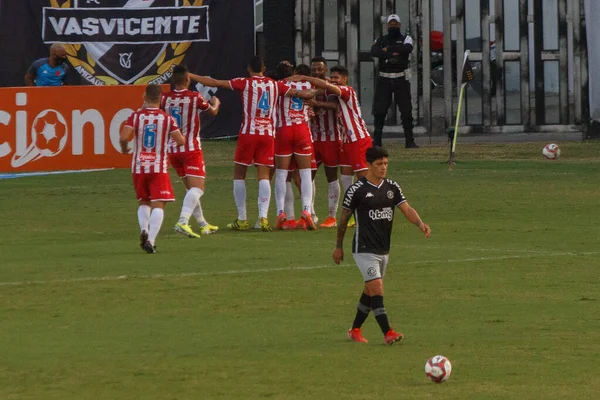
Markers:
point(529, 57)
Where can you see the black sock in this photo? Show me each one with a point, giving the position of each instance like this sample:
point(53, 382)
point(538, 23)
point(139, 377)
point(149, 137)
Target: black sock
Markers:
point(380, 314)
point(362, 311)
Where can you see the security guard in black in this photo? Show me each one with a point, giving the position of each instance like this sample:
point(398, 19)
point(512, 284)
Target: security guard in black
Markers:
point(373, 208)
point(393, 51)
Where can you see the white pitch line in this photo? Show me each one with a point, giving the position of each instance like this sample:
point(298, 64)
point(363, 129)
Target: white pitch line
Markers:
point(265, 270)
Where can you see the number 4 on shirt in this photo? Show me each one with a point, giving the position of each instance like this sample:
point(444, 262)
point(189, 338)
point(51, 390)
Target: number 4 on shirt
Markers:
point(263, 103)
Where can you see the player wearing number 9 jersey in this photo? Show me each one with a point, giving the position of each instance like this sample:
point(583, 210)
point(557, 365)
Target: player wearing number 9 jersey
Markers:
point(150, 129)
point(293, 140)
point(184, 105)
point(256, 136)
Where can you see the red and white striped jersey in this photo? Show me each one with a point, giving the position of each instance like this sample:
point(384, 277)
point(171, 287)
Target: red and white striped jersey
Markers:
point(353, 125)
point(151, 129)
point(291, 110)
point(324, 125)
point(184, 105)
point(259, 102)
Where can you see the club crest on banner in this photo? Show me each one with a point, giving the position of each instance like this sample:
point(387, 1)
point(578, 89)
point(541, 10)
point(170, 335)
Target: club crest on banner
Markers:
point(113, 42)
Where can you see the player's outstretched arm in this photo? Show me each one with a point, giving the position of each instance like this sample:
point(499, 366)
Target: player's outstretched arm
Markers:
point(215, 104)
point(319, 83)
point(178, 137)
point(338, 253)
point(328, 105)
point(208, 81)
point(124, 139)
point(413, 217)
point(302, 94)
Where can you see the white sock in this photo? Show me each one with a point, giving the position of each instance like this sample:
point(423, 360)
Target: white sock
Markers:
point(156, 220)
point(334, 197)
point(239, 194)
point(289, 201)
point(144, 217)
point(280, 190)
point(346, 182)
point(314, 194)
point(264, 197)
point(199, 214)
point(306, 189)
point(190, 202)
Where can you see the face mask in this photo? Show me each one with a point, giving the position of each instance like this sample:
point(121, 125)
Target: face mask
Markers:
point(394, 31)
point(59, 60)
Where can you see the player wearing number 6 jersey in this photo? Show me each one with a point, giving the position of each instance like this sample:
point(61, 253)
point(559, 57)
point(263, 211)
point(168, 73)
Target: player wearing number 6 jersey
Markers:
point(150, 129)
point(184, 105)
point(256, 137)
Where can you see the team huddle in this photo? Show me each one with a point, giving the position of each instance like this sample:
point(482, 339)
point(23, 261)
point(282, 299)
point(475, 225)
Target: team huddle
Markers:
point(295, 122)
point(292, 122)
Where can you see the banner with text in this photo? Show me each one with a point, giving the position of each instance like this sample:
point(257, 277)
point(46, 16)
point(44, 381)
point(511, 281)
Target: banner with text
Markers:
point(64, 128)
point(123, 42)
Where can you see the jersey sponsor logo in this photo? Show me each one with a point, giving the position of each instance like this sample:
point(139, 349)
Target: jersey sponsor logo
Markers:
point(384, 213)
point(125, 41)
point(350, 193)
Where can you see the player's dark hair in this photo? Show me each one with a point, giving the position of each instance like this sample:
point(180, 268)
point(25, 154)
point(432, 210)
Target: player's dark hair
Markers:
point(302, 69)
point(270, 74)
point(340, 69)
point(376, 153)
point(319, 59)
point(153, 93)
point(256, 64)
point(179, 74)
point(284, 69)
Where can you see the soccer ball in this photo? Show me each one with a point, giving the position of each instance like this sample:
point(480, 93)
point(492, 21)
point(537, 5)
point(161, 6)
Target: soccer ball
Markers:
point(551, 151)
point(438, 369)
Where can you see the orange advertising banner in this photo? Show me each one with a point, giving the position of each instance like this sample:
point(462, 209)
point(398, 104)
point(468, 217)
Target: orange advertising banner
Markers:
point(64, 128)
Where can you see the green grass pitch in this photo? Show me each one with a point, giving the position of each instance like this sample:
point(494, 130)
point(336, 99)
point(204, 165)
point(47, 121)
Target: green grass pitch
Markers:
point(507, 287)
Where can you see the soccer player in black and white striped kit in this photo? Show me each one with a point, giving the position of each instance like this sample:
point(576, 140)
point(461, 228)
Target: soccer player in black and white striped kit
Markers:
point(372, 200)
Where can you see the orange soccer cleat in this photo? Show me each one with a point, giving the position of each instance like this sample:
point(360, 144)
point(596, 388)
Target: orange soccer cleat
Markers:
point(281, 218)
point(301, 224)
point(392, 337)
point(355, 335)
point(330, 222)
point(310, 223)
point(290, 225)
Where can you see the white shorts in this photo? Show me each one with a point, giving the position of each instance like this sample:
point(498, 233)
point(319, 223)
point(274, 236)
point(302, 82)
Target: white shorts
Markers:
point(371, 266)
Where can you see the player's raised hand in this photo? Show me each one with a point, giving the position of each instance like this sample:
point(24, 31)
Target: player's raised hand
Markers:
point(338, 255)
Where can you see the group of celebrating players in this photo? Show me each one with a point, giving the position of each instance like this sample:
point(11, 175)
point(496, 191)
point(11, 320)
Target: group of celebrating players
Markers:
point(293, 121)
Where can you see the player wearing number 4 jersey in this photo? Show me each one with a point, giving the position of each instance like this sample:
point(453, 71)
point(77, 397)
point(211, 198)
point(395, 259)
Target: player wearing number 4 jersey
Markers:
point(150, 129)
point(184, 105)
point(256, 137)
point(373, 199)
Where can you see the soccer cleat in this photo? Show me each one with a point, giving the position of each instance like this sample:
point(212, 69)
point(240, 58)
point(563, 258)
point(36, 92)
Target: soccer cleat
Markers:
point(281, 218)
point(185, 229)
point(239, 225)
point(290, 225)
point(330, 222)
point(355, 335)
point(315, 219)
point(264, 225)
point(310, 224)
point(208, 229)
point(143, 239)
point(149, 248)
point(301, 224)
point(351, 222)
point(392, 337)
point(257, 225)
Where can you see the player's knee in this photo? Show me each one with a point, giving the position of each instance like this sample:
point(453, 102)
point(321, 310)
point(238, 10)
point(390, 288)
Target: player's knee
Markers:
point(374, 287)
